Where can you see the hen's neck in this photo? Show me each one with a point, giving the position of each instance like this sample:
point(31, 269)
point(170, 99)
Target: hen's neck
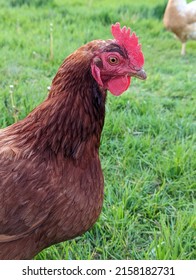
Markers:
point(71, 117)
point(179, 4)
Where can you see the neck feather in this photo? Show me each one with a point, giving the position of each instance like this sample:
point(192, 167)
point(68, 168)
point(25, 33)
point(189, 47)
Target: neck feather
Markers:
point(71, 116)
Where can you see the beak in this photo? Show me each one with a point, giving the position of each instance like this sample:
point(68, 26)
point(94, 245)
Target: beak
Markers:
point(140, 74)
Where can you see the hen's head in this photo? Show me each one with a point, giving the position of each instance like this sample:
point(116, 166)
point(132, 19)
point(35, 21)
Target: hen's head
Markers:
point(118, 60)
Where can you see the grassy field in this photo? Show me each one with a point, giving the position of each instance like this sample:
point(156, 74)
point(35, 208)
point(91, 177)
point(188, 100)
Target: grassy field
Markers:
point(148, 141)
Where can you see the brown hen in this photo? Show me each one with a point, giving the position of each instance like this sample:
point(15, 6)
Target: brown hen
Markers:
point(51, 182)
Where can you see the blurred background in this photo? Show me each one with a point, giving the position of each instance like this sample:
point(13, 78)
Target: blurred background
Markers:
point(148, 141)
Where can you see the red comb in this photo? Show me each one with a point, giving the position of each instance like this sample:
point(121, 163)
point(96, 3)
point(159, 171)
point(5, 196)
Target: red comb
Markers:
point(129, 42)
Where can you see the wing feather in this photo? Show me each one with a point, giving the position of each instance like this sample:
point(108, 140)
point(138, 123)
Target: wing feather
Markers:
point(25, 194)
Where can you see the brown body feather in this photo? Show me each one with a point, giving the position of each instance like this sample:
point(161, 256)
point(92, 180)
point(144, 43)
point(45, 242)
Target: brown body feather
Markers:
point(51, 183)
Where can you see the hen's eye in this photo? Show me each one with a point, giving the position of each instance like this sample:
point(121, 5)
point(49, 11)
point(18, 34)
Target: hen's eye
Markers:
point(113, 60)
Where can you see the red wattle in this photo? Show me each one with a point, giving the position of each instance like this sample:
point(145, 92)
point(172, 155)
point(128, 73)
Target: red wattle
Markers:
point(118, 85)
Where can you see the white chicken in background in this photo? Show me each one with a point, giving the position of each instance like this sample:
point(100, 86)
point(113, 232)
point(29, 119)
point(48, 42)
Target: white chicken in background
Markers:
point(180, 18)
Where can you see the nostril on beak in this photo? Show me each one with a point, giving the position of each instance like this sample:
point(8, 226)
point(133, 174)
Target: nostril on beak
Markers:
point(141, 74)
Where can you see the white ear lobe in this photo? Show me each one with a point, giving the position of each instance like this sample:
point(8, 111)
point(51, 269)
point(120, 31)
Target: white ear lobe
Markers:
point(96, 74)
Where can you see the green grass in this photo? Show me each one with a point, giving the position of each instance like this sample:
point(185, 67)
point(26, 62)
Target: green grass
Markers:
point(148, 141)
